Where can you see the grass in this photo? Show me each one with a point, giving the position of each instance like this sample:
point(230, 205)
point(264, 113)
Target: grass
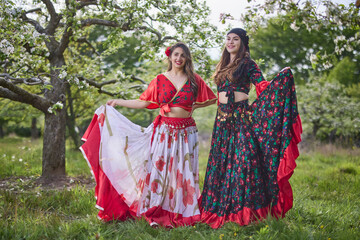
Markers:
point(326, 187)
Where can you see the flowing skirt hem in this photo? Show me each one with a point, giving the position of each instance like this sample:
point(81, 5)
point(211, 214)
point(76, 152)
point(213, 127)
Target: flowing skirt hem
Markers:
point(112, 205)
point(285, 197)
point(157, 215)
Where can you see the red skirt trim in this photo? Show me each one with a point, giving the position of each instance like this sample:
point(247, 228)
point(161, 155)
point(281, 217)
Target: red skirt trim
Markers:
point(157, 215)
point(285, 197)
point(111, 205)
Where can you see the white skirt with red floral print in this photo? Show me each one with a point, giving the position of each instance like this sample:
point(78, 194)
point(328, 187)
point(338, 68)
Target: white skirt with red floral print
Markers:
point(150, 172)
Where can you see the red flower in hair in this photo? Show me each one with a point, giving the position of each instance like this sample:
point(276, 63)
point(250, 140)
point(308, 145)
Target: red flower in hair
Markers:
point(168, 52)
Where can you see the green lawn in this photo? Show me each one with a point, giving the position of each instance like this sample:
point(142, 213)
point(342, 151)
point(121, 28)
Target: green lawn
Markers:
point(326, 187)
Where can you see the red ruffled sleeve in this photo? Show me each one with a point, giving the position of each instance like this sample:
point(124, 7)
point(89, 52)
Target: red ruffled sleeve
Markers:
point(151, 95)
point(205, 94)
point(261, 87)
point(256, 77)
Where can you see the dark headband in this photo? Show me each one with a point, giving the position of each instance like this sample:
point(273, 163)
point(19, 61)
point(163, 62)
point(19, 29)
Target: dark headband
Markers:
point(242, 34)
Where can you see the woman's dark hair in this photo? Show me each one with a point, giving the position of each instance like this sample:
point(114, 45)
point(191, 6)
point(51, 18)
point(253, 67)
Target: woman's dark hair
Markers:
point(232, 71)
point(188, 68)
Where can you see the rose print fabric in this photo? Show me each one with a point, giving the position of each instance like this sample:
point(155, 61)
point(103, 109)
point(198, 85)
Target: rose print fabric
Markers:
point(158, 181)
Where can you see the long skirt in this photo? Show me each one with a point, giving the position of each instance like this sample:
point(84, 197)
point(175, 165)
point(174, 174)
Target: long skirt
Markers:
point(144, 172)
point(252, 157)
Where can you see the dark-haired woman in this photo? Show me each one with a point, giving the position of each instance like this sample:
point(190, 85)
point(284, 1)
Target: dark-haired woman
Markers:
point(151, 172)
point(253, 147)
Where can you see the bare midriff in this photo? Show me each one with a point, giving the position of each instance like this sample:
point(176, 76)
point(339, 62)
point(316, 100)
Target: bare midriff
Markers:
point(239, 96)
point(177, 112)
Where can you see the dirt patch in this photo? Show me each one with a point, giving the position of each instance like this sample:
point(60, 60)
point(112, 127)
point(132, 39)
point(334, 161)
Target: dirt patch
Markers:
point(22, 183)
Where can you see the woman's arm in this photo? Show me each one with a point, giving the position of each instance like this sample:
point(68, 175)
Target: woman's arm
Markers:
point(128, 103)
point(208, 103)
point(200, 105)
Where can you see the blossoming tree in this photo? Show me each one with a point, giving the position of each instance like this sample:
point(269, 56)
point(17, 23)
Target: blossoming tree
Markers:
point(339, 22)
point(43, 40)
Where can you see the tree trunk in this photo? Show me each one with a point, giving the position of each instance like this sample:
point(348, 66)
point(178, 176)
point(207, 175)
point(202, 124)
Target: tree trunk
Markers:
point(34, 130)
point(1, 131)
point(53, 162)
point(316, 127)
point(70, 119)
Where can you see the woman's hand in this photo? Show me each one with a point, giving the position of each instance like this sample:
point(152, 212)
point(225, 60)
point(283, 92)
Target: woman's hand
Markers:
point(114, 102)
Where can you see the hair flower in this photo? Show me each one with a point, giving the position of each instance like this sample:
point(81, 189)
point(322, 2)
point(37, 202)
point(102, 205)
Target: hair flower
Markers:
point(168, 52)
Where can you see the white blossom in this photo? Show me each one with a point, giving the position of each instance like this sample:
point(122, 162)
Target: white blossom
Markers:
point(313, 58)
point(36, 34)
point(294, 27)
point(63, 74)
point(20, 160)
point(58, 105)
point(6, 47)
point(327, 65)
point(339, 38)
point(349, 48)
point(120, 74)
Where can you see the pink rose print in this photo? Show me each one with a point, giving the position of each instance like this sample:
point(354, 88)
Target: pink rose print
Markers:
point(162, 137)
point(188, 192)
point(147, 180)
point(171, 163)
point(154, 186)
point(179, 179)
point(171, 193)
point(101, 119)
point(160, 164)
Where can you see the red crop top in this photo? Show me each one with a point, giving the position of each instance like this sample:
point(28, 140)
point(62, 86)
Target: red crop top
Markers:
point(161, 93)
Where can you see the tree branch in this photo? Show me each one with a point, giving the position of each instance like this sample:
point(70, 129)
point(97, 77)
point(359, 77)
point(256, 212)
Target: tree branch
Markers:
point(96, 21)
point(87, 3)
point(95, 3)
point(29, 81)
point(33, 10)
point(100, 85)
point(133, 77)
point(37, 25)
point(84, 40)
point(96, 84)
point(158, 34)
point(51, 9)
point(64, 42)
point(10, 91)
point(54, 17)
